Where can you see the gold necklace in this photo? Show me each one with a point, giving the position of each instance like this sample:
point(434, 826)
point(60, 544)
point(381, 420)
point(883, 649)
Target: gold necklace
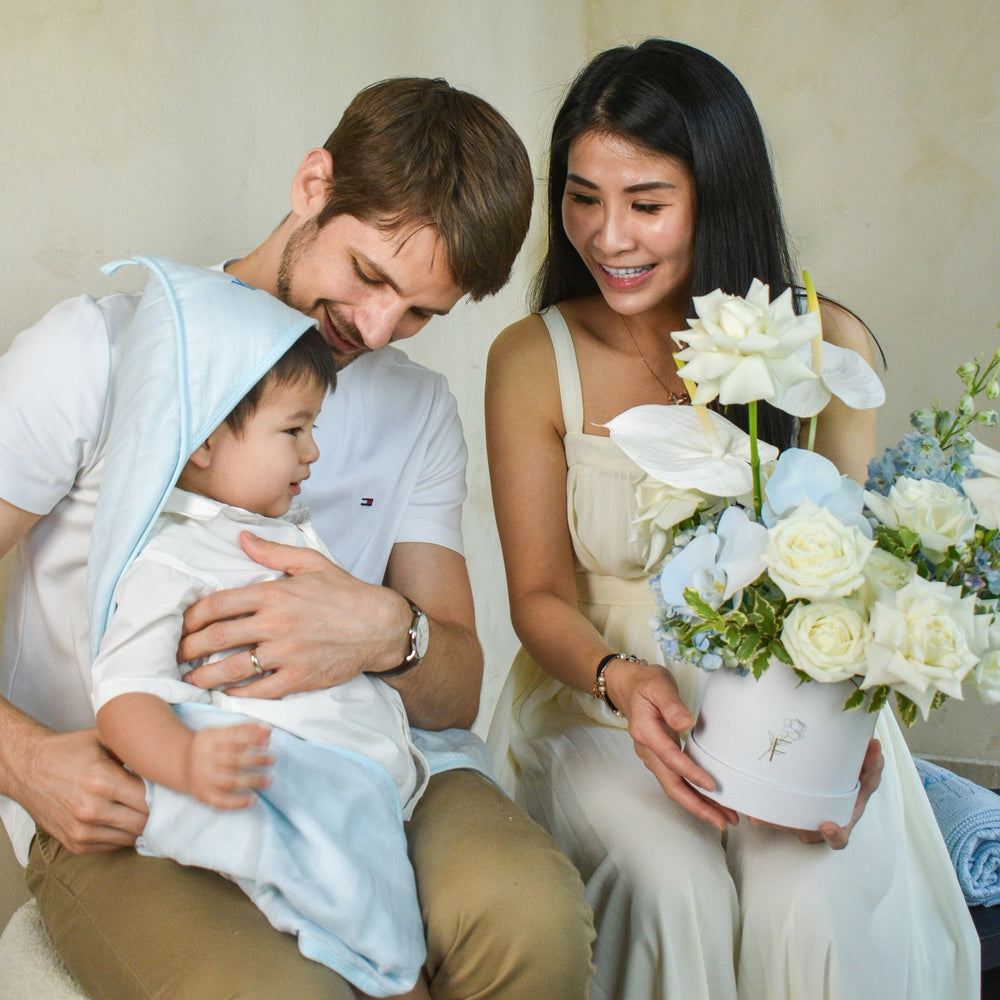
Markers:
point(673, 398)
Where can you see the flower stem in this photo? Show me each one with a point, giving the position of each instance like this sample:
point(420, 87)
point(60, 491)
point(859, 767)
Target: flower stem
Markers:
point(811, 441)
point(817, 348)
point(754, 457)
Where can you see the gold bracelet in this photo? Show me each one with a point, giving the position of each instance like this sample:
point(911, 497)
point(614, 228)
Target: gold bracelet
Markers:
point(600, 685)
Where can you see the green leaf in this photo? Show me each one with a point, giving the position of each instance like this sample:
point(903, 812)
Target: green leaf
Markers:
point(939, 699)
point(907, 709)
point(880, 695)
point(748, 647)
point(732, 635)
point(701, 607)
point(855, 700)
point(778, 651)
point(760, 663)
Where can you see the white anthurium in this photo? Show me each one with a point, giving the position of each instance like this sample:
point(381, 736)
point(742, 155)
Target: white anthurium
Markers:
point(745, 349)
point(984, 490)
point(844, 374)
point(986, 459)
point(670, 444)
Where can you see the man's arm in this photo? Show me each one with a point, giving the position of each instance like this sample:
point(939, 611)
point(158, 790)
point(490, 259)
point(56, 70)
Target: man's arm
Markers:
point(443, 689)
point(67, 781)
point(319, 626)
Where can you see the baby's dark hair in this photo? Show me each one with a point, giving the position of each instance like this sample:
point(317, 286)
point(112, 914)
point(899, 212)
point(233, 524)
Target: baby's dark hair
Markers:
point(308, 359)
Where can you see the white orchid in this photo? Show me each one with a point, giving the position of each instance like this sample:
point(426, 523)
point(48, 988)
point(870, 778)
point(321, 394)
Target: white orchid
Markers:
point(717, 564)
point(670, 444)
point(740, 350)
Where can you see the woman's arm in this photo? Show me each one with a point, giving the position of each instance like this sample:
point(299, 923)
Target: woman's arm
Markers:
point(524, 431)
point(843, 435)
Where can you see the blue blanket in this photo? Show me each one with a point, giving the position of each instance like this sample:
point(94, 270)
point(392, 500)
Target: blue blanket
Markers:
point(321, 851)
point(969, 818)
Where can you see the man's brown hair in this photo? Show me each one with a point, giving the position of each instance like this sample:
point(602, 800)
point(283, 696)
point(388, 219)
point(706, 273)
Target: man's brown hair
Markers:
point(413, 151)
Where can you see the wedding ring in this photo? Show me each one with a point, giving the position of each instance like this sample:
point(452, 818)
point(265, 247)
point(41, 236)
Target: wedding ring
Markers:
point(254, 662)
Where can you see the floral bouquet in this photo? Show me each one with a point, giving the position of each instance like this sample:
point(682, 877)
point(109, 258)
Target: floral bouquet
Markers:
point(781, 568)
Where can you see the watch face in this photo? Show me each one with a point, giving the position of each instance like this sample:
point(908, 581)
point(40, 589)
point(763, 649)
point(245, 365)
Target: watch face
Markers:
point(422, 637)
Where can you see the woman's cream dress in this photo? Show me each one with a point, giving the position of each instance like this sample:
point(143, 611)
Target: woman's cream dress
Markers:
point(682, 912)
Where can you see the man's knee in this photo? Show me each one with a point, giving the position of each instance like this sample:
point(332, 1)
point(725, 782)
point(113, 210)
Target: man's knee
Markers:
point(505, 909)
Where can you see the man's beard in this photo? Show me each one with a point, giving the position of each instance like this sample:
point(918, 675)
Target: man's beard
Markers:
point(298, 243)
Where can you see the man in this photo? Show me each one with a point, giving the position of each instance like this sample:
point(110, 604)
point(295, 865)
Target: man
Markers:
point(420, 195)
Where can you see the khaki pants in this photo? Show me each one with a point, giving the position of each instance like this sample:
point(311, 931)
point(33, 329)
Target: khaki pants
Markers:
point(504, 914)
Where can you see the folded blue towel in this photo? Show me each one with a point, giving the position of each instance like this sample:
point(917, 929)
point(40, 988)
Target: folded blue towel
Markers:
point(969, 817)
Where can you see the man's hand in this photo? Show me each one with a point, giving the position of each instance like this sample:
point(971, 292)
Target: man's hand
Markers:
point(78, 793)
point(316, 627)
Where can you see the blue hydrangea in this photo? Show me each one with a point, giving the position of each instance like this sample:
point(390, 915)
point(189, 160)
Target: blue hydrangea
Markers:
point(919, 456)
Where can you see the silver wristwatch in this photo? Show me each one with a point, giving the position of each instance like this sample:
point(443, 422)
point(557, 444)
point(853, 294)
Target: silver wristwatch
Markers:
point(420, 635)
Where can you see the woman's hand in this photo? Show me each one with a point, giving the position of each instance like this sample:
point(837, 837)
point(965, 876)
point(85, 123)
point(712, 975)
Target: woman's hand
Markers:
point(647, 695)
point(835, 836)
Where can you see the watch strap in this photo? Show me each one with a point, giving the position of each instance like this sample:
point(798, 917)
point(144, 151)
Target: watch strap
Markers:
point(411, 659)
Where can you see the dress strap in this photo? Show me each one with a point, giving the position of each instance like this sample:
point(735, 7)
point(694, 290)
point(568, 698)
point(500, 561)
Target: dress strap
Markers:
point(566, 368)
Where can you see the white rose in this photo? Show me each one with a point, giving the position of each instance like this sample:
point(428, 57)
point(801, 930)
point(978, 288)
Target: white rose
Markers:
point(658, 508)
point(938, 514)
point(987, 677)
point(826, 640)
point(811, 554)
point(984, 490)
point(883, 573)
point(924, 640)
point(743, 349)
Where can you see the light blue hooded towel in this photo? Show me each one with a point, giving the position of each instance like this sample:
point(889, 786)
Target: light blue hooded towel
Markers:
point(199, 341)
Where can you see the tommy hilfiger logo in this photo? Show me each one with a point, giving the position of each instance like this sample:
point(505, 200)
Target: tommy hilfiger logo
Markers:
point(367, 501)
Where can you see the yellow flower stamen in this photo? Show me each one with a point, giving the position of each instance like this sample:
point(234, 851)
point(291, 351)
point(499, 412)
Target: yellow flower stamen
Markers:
point(702, 410)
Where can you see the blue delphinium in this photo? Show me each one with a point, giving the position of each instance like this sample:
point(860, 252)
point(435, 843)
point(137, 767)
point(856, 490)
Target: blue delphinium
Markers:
point(940, 446)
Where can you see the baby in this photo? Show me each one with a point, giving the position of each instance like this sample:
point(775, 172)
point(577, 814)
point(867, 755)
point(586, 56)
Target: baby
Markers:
point(299, 800)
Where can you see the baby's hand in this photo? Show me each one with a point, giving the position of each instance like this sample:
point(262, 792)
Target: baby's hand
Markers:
point(226, 765)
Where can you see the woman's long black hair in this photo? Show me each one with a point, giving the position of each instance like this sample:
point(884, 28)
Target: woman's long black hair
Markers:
point(678, 100)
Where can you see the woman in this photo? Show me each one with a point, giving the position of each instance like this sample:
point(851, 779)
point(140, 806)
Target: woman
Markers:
point(661, 189)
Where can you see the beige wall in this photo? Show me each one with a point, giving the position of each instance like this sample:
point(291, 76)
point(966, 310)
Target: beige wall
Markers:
point(175, 129)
